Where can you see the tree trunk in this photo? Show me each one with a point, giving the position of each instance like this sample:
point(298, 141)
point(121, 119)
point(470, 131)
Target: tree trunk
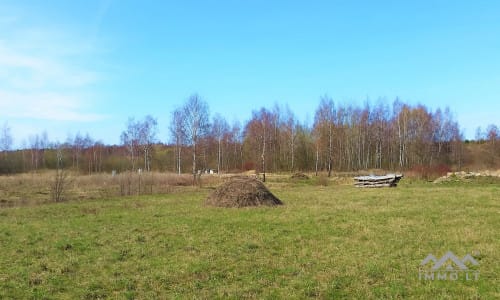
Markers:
point(179, 160)
point(194, 163)
point(219, 158)
point(263, 158)
point(317, 159)
point(330, 138)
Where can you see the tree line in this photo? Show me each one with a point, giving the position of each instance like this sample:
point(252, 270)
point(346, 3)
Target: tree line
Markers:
point(342, 137)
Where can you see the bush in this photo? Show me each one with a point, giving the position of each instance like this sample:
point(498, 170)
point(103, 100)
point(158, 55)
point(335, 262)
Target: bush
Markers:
point(429, 172)
point(323, 180)
point(59, 186)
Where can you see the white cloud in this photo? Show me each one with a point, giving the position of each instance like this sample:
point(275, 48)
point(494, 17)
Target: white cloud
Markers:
point(31, 71)
point(46, 106)
point(44, 74)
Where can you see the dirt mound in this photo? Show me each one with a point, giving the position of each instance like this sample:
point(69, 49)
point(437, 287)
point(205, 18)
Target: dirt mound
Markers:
point(457, 176)
point(299, 176)
point(240, 191)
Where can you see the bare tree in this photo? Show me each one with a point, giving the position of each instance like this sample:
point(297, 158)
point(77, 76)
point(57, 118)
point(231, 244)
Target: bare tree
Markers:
point(60, 182)
point(493, 135)
point(323, 124)
point(266, 125)
point(38, 143)
point(77, 146)
point(220, 129)
point(140, 136)
point(443, 130)
point(148, 130)
point(236, 137)
point(95, 155)
point(130, 139)
point(44, 145)
point(457, 146)
point(342, 137)
point(195, 124)
point(6, 139)
point(479, 135)
point(34, 145)
point(5, 146)
point(304, 147)
point(274, 137)
point(379, 129)
point(401, 112)
point(290, 129)
point(316, 141)
point(258, 135)
point(179, 135)
point(59, 155)
point(86, 147)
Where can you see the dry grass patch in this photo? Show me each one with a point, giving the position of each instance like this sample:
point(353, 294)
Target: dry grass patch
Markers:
point(37, 188)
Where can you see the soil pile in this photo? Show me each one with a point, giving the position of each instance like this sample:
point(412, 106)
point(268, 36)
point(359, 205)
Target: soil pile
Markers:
point(301, 176)
point(242, 192)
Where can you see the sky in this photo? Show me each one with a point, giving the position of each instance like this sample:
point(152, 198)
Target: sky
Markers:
point(86, 66)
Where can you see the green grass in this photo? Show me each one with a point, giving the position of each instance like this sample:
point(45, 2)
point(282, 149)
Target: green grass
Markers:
point(328, 242)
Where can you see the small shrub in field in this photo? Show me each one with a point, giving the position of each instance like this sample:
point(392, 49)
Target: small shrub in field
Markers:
point(299, 176)
point(59, 186)
point(323, 180)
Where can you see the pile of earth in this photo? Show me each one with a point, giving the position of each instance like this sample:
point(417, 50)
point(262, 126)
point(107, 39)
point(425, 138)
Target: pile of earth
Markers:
point(240, 191)
point(457, 176)
point(299, 175)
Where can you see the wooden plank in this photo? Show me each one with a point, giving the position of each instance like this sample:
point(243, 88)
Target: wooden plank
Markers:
point(388, 180)
point(376, 185)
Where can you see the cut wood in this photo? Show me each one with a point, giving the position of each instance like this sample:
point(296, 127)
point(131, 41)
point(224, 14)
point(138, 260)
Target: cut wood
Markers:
point(389, 180)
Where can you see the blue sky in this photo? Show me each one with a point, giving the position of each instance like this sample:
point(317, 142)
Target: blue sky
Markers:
point(87, 66)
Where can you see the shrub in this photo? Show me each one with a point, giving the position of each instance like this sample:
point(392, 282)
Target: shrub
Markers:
point(430, 172)
point(322, 180)
point(59, 186)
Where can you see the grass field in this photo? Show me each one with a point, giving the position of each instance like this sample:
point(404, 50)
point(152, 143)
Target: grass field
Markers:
point(328, 242)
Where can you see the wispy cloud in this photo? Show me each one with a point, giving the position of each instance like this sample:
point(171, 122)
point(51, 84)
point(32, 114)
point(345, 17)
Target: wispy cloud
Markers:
point(45, 74)
point(46, 106)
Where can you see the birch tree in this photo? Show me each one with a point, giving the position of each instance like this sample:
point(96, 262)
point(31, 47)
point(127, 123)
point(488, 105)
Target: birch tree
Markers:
point(195, 124)
point(6, 139)
point(323, 124)
point(130, 140)
point(290, 128)
point(220, 129)
point(148, 130)
point(5, 145)
point(140, 136)
point(258, 133)
point(179, 136)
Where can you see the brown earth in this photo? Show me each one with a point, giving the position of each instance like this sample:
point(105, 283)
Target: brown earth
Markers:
point(468, 175)
point(241, 191)
point(299, 176)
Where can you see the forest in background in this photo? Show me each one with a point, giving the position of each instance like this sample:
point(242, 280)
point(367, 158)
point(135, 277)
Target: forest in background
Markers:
point(342, 138)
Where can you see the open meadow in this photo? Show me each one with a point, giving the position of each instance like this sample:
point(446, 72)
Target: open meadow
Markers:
point(328, 241)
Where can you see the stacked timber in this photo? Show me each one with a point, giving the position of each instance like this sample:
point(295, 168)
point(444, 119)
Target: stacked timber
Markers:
point(372, 181)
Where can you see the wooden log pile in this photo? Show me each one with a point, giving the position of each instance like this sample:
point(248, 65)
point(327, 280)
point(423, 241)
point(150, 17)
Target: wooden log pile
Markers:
point(372, 181)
